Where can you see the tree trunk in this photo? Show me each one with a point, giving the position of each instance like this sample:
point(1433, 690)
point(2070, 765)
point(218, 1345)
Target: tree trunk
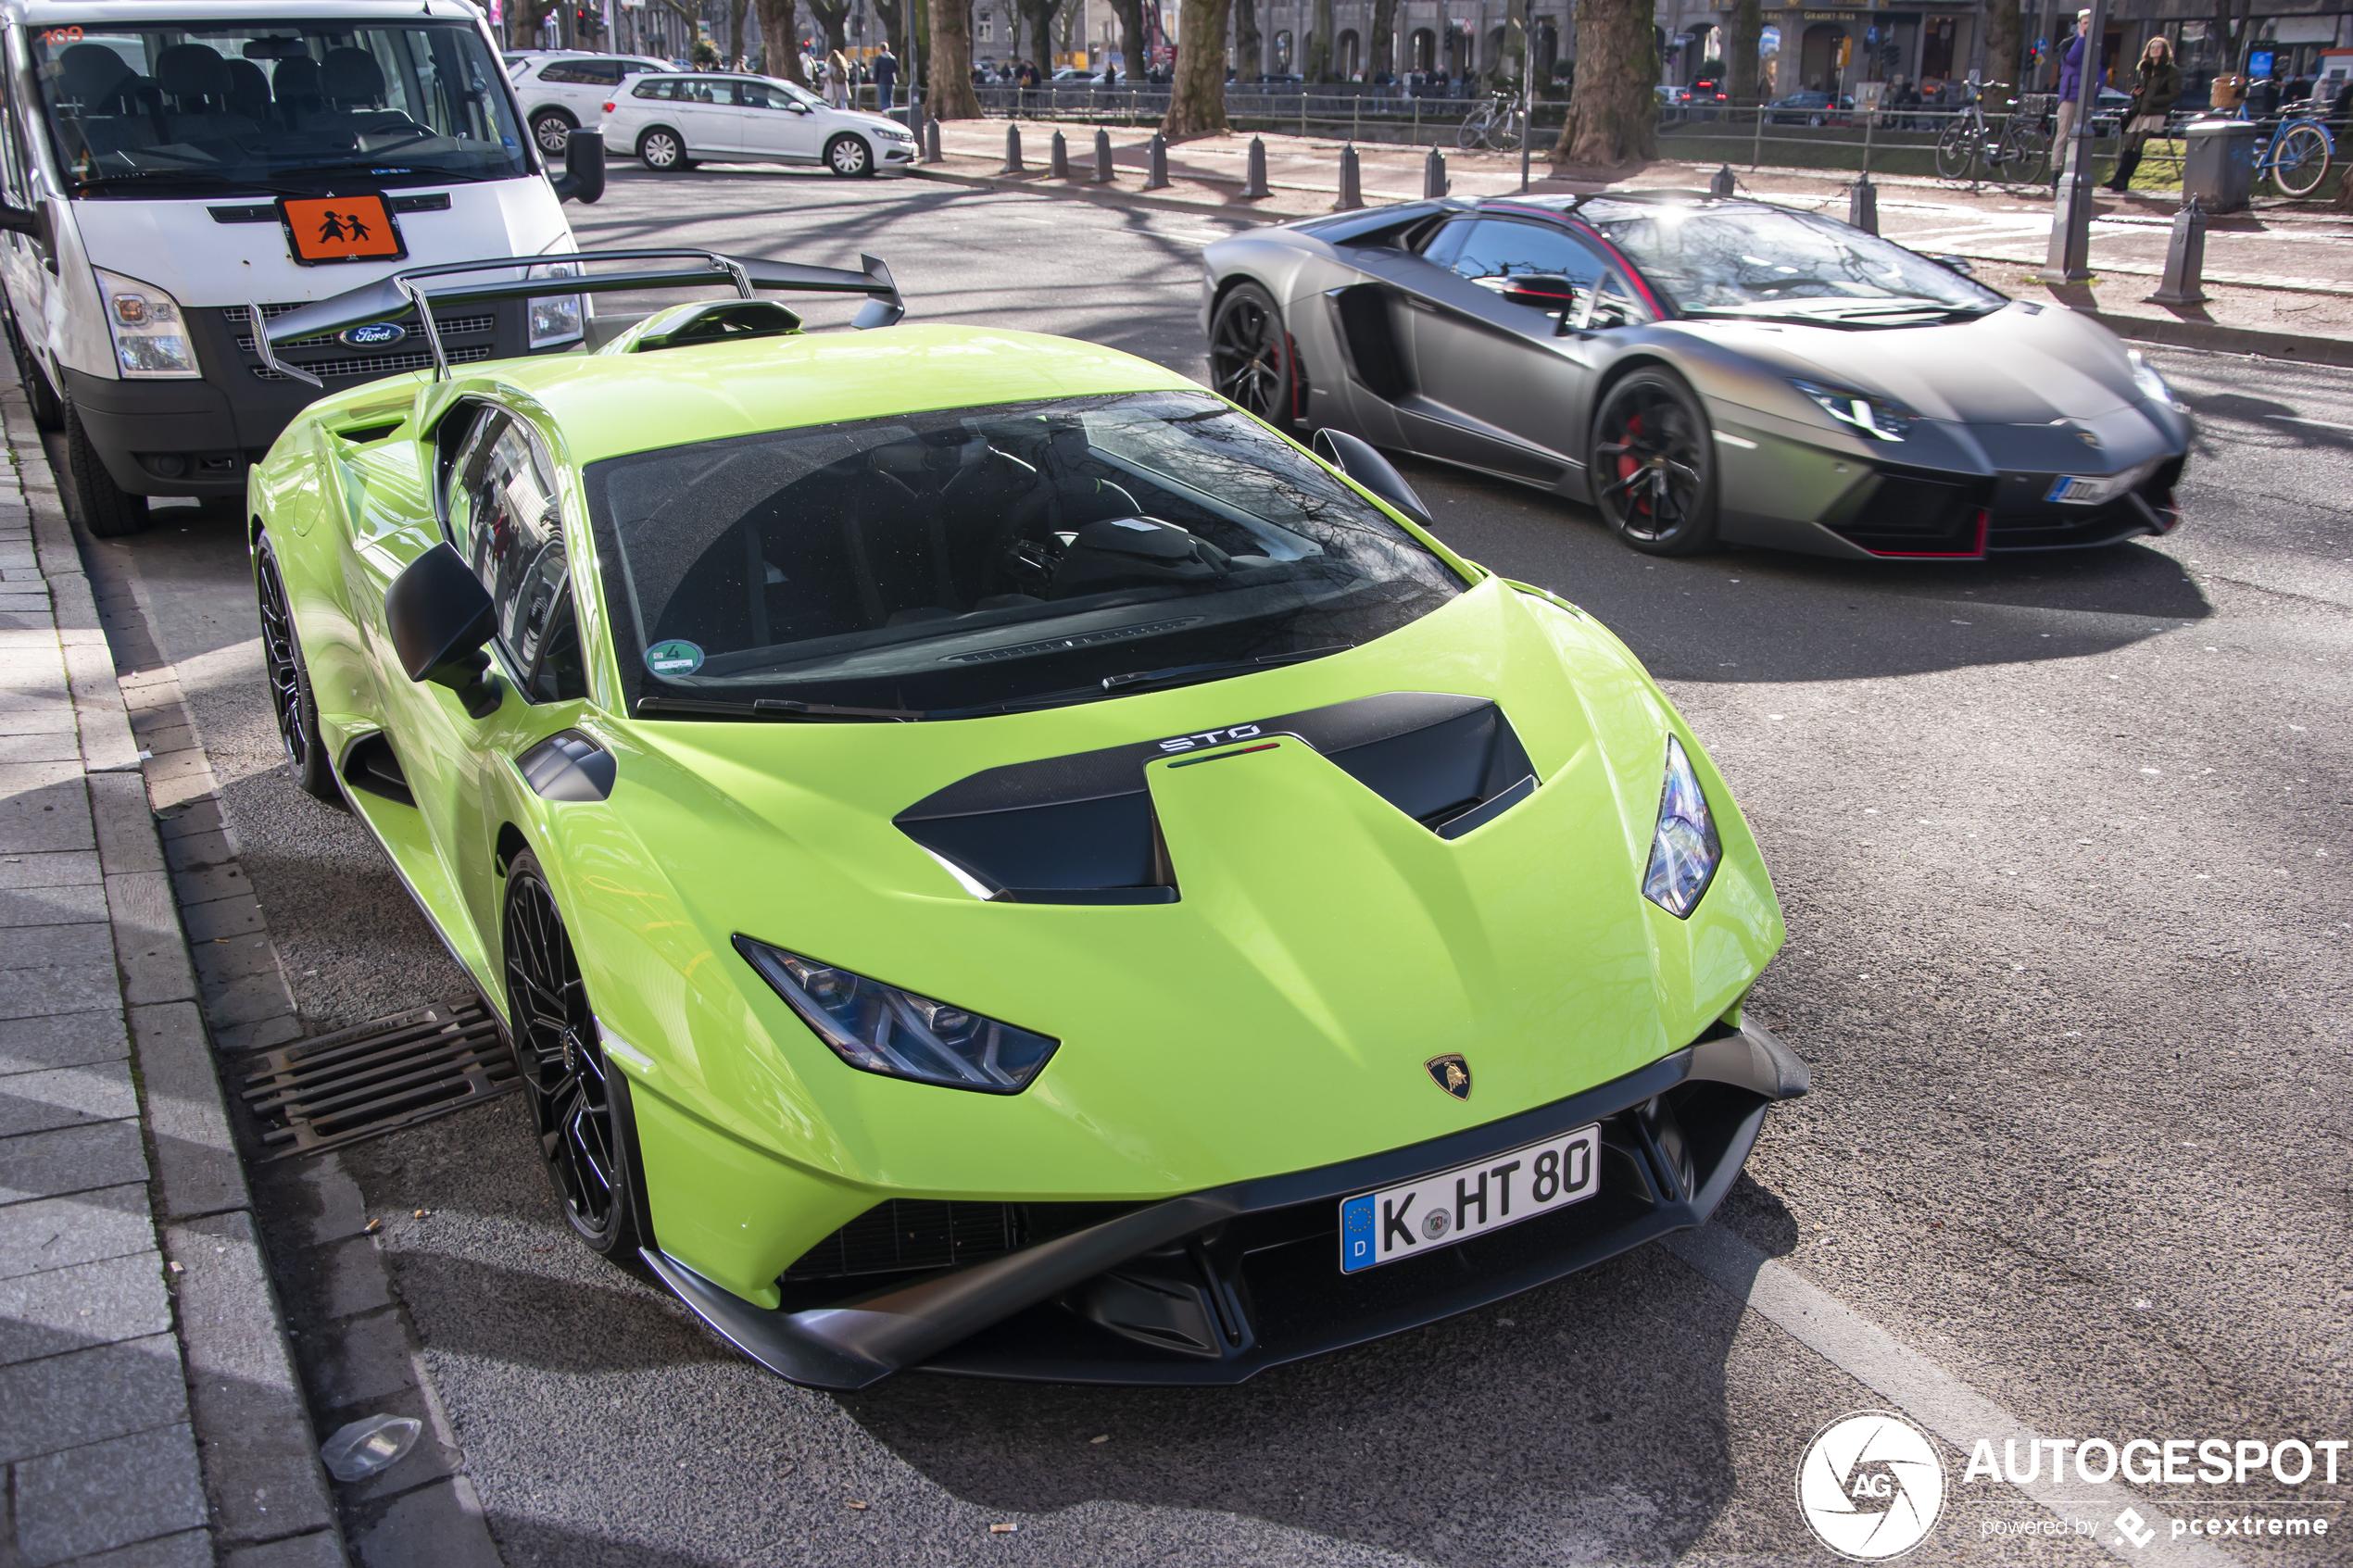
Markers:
point(525, 17)
point(1316, 60)
point(1249, 54)
point(2004, 53)
point(734, 31)
point(1613, 117)
point(1514, 58)
point(780, 39)
point(1039, 17)
point(1383, 55)
point(834, 20)
point(1131, 37)
point(1197, 96)
point(950, 63)
point(892, 14)
point(1747, 30)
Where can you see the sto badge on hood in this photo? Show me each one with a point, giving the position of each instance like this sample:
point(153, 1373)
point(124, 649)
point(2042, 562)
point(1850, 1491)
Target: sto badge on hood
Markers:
point(1450, 1073)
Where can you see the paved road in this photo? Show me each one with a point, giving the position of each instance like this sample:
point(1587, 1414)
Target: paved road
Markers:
point(2063, 844)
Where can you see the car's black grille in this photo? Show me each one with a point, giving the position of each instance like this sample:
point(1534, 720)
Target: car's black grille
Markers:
point(374, 364)
point(1905, 514)
point(451, 326)
point(903, 1234)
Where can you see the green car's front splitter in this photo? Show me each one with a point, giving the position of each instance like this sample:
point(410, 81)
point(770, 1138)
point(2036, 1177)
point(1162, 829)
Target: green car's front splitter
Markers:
point(1215, 1286)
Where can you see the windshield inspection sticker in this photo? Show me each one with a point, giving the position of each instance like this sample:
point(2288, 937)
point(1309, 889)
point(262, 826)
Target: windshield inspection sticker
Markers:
point(674, 658)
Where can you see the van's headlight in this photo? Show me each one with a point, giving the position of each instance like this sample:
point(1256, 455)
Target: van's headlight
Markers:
point(1684, 848)
point(557, 317)
point(879, 1028)
point(150, 338)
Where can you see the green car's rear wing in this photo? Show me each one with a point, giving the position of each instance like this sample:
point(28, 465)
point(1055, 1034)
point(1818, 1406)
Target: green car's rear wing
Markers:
point(414, 288)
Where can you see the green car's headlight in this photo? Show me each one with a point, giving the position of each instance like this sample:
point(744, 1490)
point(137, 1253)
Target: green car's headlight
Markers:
point(1875, 417)
point(1684, 848)
point(879, 1028)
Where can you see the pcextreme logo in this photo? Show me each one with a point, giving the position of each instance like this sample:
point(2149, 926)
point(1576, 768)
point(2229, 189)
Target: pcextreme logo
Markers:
point(1870, 1486)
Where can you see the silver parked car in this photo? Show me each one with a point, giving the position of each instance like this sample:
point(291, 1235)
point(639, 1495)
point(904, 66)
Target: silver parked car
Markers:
point(1702, 369)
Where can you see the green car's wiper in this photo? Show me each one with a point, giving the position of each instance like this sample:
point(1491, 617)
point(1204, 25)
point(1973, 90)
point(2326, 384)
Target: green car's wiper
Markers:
point(767, 708)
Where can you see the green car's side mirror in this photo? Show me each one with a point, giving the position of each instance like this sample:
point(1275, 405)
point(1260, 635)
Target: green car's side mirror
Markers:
point(440, 617)
point(1356, 457)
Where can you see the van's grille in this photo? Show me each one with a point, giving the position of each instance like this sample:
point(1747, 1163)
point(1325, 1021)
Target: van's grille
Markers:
point(375, 365)
point(453, 326)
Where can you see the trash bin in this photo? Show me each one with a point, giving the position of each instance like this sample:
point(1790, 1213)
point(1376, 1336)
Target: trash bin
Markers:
point(2220, 168)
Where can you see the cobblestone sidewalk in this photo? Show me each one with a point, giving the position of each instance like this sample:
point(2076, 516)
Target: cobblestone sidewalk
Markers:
point(149, 1416)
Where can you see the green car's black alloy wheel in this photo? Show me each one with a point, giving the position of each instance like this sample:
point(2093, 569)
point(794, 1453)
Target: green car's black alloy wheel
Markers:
point(579, 1105)
point(290, 697)
point(1250, 355)
point(1652, 469)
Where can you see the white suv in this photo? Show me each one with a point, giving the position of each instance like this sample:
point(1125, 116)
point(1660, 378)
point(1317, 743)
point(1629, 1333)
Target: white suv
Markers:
point(561, 91)
point(677, 118)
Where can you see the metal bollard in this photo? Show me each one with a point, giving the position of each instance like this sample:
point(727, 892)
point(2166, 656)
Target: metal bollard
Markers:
point(1059, 165)
point(1721, 184)
point(1434, 181)
point(2185, 279)
point(1012, 151)
point(1156, 163)
point(1351, 192)
point(931, 142)
point(1102, 157)
point(1255, 178)
point(1862, 204)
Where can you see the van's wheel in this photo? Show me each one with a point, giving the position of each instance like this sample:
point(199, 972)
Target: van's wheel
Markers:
point(660, 150)
point(1250, 355)
point(549, 128)
point(849, 157)
point(290, 696)
point(108, 510)
point(48, 409)
point(579, 1101)
point(1653, 465)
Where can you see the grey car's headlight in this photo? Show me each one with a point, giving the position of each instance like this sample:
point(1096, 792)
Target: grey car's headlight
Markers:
point(1875, 417)
point(879, 1028)
point(1684, 848)
point(2152, 385)
point(150, 338)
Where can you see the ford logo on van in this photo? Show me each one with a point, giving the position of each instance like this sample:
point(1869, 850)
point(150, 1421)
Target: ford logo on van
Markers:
point(375, 334)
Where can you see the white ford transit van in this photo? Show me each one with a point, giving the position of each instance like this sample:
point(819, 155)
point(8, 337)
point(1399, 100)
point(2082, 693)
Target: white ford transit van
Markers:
point(167, 166)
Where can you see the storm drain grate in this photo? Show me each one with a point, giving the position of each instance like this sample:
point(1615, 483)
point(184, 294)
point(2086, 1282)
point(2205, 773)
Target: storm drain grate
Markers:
point(334, 1089)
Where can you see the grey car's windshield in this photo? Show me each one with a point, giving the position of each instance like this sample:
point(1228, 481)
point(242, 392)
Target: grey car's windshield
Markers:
point(936, 564)
point(1774, 262)
point(161, 108)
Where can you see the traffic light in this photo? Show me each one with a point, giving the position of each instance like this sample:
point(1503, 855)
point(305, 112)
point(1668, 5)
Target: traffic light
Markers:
point(587, 21)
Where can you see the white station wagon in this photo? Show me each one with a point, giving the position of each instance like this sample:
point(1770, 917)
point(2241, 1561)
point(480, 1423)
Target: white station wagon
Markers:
point(673, 122)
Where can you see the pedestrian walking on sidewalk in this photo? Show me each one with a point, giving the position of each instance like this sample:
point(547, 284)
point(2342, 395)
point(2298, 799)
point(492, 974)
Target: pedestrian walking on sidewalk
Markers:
point(2071, 87)
point(838, 80)
point(2156, 81)
point(885, 69)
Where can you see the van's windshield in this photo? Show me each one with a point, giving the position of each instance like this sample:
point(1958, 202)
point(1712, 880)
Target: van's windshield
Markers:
point(155, 107)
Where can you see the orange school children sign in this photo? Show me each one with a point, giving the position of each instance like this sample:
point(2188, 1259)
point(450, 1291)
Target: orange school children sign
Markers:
point(341, 228)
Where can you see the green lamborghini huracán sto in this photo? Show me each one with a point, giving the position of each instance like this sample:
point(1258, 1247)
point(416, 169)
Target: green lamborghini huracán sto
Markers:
point(992, 859)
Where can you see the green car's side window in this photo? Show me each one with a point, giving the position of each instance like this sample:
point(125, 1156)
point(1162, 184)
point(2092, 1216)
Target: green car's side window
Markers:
point(505, 519)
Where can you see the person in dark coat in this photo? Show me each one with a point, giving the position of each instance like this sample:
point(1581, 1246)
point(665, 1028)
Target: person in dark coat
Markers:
point(2156, 81)
point(885, 69)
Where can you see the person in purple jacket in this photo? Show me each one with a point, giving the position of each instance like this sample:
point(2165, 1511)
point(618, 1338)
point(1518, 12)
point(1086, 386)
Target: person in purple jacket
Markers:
point(2071, 87)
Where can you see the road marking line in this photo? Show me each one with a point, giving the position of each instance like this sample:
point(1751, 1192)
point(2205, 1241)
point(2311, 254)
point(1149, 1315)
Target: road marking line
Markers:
point(1920, 1389)
point(2300, 419)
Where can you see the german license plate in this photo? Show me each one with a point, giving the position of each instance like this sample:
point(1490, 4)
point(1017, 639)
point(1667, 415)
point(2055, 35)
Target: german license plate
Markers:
point(2075, 490)
point(1441, 1210)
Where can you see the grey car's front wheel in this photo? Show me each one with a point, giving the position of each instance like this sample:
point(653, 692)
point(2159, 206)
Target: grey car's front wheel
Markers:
point(1250, 355)
point(1652, 465)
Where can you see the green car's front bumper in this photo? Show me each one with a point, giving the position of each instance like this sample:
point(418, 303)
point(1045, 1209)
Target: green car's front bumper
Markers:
point(1214, 1286)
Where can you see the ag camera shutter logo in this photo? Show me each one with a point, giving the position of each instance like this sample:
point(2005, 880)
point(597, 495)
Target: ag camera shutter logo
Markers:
point(1870, 1486)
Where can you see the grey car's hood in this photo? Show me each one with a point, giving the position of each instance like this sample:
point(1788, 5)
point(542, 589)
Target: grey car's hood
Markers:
point(2016, 367)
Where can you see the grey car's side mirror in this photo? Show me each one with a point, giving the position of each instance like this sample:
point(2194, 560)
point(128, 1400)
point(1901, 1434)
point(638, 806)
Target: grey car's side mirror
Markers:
point(583, 176)
point(440, 617)
point(1359, 460)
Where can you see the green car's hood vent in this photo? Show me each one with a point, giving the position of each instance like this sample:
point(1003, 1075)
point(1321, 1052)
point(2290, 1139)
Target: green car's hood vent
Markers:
point(1081, 828)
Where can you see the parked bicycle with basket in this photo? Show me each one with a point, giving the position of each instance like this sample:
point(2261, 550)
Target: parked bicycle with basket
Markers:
point(2014, 153)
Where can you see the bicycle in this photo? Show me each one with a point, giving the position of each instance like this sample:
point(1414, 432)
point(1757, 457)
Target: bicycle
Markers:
point(2017, 155)
point(2295, 155)
point(1495, 125)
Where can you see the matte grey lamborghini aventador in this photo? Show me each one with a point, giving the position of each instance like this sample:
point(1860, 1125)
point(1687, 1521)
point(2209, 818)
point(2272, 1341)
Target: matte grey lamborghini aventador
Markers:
point(1702, 368)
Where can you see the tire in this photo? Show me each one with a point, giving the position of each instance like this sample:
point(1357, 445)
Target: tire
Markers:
point(2026, 160)
point(1652, 465)
point(108, 510)
point(1956, 151)
point(849, 157)
point(1504, 137)
point(579, 1103)
point(1468, 135)
point(2300, 160)
point(48, 409)
point(549, 128)
point(1250, 355)
point(291, 700)
point(662, 150)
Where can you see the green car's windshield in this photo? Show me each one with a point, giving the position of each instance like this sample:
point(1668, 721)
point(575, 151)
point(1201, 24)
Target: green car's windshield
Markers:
point(936, 564)
point(169, 108)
